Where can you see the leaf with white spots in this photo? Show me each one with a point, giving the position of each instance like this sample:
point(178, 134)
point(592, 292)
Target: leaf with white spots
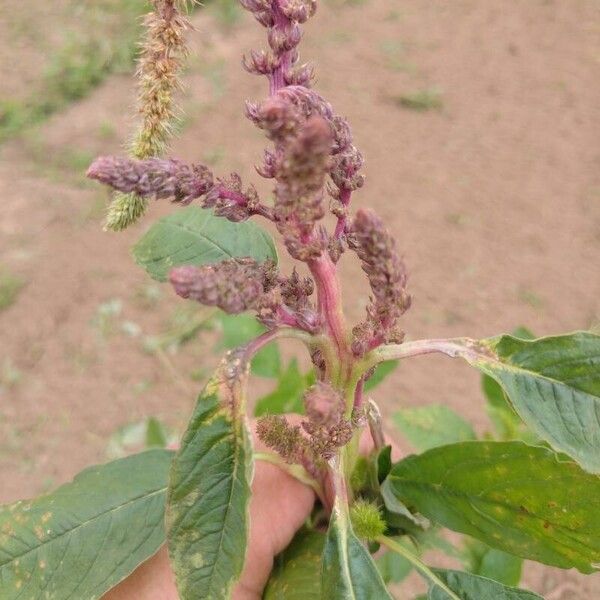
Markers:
point(84, 538)
point(295, 570)
point(209, 490)
point(525, 500)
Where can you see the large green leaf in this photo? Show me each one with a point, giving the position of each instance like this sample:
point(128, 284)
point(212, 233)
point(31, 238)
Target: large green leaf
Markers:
point(506, 422)
point(493, 563)
point(522, 499)
point(209, 490)
point(348, 571)
point(195, 236)
point(434, 425)
point(88, 535)
point(393, 567)
point(295, 571)
point(553, 384)
point(467, 586)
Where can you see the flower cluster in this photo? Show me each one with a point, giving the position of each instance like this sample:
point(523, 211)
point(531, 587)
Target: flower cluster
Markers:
point(311, 155)
point(153, 178)
point(159, 67)
point(182, 183)
point(282, 20)
point(233, 285)
point(318, 437)
point(387, 276)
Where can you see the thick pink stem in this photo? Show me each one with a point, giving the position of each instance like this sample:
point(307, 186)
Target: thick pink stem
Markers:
point(329, 298)
point(458, 347)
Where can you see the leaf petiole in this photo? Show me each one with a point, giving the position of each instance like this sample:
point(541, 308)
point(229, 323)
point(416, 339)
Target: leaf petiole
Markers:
point(417, 563)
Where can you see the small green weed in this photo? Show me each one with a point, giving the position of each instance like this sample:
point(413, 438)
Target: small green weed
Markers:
point(422, 100)
point(10, 286)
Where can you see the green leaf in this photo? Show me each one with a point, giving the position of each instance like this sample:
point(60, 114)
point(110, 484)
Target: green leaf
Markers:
point(393, 567)
point(396, 512)
point(195, 236)
point(156, 434)
point(493, 563)
point(506, 421)
point(522, 499)
point(523, 333)
point(240, 329)
point(141, 435)
point(554, 385)
point(287, 396)
point(348, 571)
point(434, 425)
point(383, 463)
point(267, 362)
point(88, 535)
point(209, 491)
point(381, 372)
point(294, 575)
point(472, 587)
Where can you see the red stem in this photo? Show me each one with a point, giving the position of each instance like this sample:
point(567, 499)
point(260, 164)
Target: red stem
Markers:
point(329, 298)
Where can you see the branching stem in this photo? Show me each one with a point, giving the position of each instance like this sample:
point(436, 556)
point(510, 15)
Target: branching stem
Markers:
point(269, 336)
point(330, 305)
point(456, 347)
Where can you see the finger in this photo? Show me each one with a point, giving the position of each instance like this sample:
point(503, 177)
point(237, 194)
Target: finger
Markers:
point(280, 504)
point(152, 580)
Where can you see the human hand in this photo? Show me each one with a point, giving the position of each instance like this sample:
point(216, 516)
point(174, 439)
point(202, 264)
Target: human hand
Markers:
point(279, 506)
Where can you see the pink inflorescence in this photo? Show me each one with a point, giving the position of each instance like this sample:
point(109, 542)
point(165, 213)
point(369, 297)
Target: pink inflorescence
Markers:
point(312, 155)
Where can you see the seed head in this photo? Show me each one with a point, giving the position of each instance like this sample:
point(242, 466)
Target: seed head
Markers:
point(232, 285)
point(277, 116)
point(306, 160)
point(278, 435)
point(366, 520)
point(324, 405)
point(230, 200)
point(159, 66)
point(326, 425)
point(153, 178)
point(387, 277)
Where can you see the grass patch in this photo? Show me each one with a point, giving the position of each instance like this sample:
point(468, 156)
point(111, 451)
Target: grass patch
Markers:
point(107, 43)
point(422, 100)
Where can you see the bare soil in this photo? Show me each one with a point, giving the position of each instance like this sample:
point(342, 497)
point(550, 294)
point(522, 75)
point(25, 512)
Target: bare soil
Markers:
point(494, 197)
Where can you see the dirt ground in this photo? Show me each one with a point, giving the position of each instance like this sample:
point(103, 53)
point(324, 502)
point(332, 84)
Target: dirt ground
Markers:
point(493, 193)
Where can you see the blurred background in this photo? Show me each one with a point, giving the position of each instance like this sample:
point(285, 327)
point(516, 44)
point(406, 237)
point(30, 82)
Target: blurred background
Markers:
point(479, 121)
